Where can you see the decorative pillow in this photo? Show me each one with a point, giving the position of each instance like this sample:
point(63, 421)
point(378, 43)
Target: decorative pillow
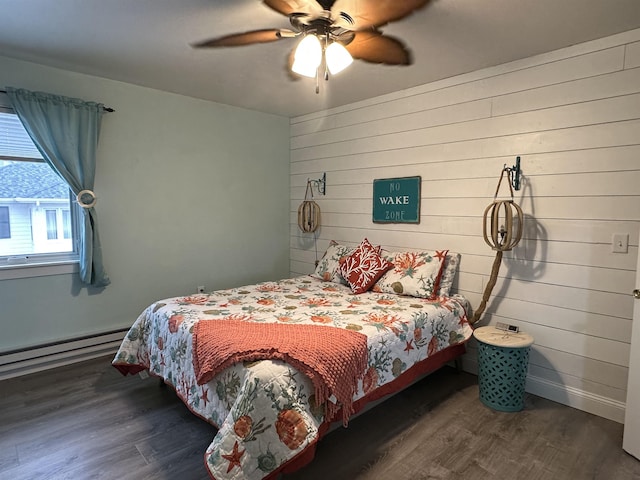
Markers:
point(449, 270)
point(328, 269)
point(414, 273)
point(364, 267)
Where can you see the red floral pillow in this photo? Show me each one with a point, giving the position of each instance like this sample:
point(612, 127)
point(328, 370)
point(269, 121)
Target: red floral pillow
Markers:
point(364, 267)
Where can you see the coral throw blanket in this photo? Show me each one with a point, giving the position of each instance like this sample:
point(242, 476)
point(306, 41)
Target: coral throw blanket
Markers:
point(333, 358)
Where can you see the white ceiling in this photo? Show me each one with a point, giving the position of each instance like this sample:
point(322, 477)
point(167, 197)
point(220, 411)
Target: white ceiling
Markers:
point(147, 42)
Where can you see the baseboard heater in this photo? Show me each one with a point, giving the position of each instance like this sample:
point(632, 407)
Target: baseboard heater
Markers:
point(51, 355)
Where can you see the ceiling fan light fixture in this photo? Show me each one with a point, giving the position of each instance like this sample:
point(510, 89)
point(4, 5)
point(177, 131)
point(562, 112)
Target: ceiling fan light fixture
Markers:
point(338, 58)
point(308, 56)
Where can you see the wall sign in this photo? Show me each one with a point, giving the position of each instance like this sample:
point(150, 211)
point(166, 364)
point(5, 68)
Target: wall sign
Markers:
point(396, 200)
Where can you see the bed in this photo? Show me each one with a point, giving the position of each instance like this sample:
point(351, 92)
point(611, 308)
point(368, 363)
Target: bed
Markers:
point(273, 365)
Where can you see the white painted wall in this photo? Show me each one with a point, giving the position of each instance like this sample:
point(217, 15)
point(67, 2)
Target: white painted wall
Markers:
point(189, 193)
point(574, 117)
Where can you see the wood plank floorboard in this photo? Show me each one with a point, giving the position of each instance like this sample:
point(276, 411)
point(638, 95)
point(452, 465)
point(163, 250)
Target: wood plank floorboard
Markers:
point(86, 421)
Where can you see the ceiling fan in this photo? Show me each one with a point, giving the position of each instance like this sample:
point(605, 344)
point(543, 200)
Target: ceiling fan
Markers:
point(334, 32)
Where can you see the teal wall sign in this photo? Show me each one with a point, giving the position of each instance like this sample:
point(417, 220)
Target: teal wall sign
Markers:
point(396, 200)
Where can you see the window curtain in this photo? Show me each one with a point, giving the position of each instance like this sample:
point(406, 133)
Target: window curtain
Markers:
point(65, 131)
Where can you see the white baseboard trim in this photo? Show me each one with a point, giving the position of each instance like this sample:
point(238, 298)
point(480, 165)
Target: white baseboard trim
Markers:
point(576, 398)
point(570, 396)
point(44, 357)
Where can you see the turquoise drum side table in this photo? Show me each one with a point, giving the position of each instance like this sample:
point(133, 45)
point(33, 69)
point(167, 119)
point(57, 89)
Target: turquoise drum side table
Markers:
point(503, 360)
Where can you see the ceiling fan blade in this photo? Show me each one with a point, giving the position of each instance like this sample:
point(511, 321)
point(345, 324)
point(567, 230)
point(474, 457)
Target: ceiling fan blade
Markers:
point(292, 7)
point(374, 47)
point(281, 6)
point(246, 38)
point(376, 13)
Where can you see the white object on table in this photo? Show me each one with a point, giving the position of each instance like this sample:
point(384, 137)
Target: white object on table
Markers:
point(500, 338)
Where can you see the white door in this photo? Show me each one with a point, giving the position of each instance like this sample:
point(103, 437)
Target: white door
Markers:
point(631, 442)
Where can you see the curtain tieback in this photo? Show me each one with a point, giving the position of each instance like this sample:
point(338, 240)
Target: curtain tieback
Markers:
point(80, 198)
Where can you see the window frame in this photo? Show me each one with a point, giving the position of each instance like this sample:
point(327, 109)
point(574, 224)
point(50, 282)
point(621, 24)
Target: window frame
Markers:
point(41, 264)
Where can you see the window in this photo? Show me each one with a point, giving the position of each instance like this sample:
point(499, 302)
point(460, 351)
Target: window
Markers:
point(36, 218)
point(5, 225)
point(52, 225)
point(58, 223)
point(66, 224)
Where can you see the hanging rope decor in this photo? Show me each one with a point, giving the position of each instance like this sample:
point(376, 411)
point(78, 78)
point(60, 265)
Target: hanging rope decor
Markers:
point(499, 235)
point(308, 212)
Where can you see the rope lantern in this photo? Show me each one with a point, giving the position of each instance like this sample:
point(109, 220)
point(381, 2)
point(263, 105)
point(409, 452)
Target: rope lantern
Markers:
point(308, 212)
point(499, 235)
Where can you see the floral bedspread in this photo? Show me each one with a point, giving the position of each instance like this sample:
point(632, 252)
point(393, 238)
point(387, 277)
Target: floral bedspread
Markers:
point(265, 410)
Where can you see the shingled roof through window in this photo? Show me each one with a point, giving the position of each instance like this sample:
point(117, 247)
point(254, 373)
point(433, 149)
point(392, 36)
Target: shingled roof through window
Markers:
point(31, 180)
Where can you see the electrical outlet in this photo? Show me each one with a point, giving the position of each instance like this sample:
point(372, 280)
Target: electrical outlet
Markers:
point(620, 243)
point(200, 288)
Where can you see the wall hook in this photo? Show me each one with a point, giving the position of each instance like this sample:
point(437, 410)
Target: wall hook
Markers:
point(320, 184)
point(514, 173)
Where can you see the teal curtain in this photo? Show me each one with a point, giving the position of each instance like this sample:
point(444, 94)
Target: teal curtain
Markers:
point(65, 131)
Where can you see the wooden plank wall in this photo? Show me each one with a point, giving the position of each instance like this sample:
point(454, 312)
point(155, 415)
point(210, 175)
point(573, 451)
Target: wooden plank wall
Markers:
point(573, 116)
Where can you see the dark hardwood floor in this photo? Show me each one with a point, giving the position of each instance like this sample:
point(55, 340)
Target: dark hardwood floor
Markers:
point(86, 421)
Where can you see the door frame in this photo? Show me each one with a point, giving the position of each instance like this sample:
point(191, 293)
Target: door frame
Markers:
point(631, 438)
